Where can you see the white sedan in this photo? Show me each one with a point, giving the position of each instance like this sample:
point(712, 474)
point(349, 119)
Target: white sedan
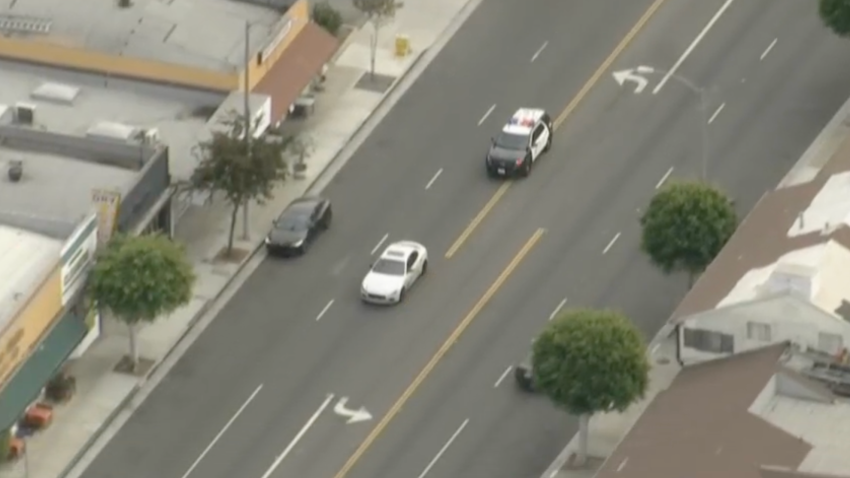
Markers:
point(394, 273)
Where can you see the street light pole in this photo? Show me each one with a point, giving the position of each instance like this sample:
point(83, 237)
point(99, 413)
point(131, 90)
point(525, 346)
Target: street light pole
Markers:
point(248, 129)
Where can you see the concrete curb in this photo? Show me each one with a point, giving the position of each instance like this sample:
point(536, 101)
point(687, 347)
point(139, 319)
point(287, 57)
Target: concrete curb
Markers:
point(129, 398)
point(824, 146)
point(100, 429)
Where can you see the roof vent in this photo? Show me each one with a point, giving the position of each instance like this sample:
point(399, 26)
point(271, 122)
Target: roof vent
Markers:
point(56, 92)
point(25, 113)
point(113, 131)
point(794, 278)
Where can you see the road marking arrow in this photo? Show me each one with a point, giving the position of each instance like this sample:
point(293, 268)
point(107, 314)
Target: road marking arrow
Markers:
point(354, 416)
point(633, 74)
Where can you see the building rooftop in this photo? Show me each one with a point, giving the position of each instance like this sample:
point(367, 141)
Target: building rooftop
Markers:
point(818, 273)
point(750, 415)
point(25, 259)
point(179, 115)
point(206, 34)
point(780, 237)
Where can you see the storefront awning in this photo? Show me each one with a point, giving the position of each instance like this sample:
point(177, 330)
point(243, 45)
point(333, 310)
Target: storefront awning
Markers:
point(295, 69)
point(26, 384)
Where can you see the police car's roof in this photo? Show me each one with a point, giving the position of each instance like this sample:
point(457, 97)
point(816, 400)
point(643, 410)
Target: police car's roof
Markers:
point(523, 120)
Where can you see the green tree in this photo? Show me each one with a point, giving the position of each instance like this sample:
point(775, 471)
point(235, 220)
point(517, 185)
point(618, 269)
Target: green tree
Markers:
point(141, 278)
point(685, 227)
point(241, 167)
point(327, 17)
point(590, 361)
point(378, 13)
point(836, 15)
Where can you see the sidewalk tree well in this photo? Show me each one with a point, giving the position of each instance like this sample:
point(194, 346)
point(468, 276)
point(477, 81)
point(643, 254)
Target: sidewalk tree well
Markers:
point(378, 13)
point(686, 225)
point(835, 14)
point(139, 279)
point(590, 361)
point(241, 170)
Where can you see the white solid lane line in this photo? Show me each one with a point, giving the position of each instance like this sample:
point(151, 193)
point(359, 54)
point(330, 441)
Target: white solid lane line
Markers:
point(611, 244)
point(379, 244)
point(325, 310)
point(442, 450)
point(558, 309)
point(298, 437)
point(716, 112)
point(539, 51)
point(664, 178)
point(434, 178)
point(691, 47)
point(767, 50)
point(484, 118)
point(222, 431)
point(502, 376)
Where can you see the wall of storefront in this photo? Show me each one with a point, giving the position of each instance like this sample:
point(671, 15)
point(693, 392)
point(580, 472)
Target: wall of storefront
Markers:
point(78, 256)
point(289, 26)
point(26, 330)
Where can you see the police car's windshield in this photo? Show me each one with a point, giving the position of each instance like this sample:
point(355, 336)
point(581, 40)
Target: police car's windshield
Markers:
point(516, 142)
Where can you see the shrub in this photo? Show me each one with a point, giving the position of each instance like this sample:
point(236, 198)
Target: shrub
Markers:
point(327, 17)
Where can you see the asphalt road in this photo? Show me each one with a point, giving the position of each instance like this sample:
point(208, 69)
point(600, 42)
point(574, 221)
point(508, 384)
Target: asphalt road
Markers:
point(268, 334)
point(605, 164)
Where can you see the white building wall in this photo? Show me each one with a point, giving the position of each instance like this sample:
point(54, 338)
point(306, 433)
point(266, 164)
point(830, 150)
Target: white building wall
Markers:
point(790, 319)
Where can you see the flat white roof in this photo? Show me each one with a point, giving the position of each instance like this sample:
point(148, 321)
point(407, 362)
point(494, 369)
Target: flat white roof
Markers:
point(25, 260)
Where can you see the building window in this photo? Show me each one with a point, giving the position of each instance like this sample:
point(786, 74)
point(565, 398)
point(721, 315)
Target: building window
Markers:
point(708, 341)
point(759, 331)
point(830, 343)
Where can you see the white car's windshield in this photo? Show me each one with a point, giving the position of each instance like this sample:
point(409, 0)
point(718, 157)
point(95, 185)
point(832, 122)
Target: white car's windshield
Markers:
point(389, 267)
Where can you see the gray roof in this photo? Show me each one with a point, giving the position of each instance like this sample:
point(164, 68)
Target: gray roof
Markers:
point(208, 34)
point(702, 427)
point(179, 114)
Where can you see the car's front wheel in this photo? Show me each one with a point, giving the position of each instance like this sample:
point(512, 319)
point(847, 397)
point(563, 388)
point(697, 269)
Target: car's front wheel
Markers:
point(525, 169)
point(425, 267)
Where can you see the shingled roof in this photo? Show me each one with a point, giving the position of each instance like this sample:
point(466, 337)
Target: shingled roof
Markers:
point(763, 237)
point(701, 426)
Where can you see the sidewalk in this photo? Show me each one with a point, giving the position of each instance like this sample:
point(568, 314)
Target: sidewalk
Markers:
point(606, 431)
point(345, 114)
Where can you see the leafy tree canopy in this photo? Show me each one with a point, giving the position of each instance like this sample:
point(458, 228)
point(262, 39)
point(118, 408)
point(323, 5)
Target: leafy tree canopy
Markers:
point(686, 225)
point(141, 278)
point(836, 15)
point(225, 165)
point(378, 9)
point(590, 361)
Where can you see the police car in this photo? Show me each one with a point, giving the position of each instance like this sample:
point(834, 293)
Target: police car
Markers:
point(526, 136)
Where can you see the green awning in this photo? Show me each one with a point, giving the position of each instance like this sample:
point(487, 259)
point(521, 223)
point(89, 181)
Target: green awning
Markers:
point(27, 383)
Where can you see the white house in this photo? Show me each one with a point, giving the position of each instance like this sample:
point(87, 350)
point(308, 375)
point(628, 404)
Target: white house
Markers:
point(800, 298)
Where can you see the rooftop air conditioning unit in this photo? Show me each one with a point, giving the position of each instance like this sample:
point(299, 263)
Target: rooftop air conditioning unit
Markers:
point(151, 136)
point(25, 113)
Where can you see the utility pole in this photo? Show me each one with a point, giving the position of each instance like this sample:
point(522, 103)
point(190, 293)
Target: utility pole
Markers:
point(248, 115)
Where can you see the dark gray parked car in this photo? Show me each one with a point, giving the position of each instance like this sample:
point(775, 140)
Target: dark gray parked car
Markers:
point(524, 374)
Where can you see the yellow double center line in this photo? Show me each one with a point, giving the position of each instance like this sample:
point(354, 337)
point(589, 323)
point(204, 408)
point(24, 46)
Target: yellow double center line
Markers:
point(526, 248)
point(429, 367)
point(582, 93)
